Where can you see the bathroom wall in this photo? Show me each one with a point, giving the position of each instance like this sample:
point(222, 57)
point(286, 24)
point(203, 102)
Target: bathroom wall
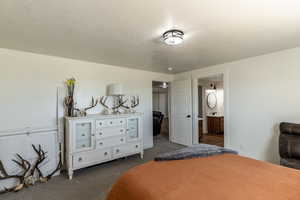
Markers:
point(206, 89)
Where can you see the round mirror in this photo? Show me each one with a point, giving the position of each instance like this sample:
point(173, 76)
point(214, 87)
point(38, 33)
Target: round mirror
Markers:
point(211, 100)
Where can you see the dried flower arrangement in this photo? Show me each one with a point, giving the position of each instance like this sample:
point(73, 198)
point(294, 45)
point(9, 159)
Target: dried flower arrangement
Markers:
point(69, 100)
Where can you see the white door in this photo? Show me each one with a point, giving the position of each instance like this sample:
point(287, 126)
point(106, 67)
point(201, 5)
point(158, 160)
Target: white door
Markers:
point(181, 102)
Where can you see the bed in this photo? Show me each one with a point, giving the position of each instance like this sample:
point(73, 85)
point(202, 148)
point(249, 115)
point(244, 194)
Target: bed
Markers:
point(220, 177)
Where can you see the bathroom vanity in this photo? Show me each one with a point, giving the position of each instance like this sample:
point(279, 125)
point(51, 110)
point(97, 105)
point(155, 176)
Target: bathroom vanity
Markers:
point(215, 124)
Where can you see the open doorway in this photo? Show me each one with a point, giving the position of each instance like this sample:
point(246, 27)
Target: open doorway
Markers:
point(160, 95)
point(211, 110)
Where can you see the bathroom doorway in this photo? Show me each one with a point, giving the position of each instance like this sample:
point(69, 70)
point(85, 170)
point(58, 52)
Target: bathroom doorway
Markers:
point(211, 110)
point(160, 105)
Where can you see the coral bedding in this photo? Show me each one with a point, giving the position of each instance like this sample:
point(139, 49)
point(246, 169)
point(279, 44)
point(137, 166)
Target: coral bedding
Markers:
point(221, 177)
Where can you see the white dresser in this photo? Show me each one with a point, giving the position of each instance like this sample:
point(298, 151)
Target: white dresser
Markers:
point(100, 138)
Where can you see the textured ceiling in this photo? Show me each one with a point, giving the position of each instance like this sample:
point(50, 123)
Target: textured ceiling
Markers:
point(127, 33)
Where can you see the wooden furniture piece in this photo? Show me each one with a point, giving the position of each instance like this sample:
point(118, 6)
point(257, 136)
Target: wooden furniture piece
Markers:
point(215, 124)
point(200, 128)
point(99, 138)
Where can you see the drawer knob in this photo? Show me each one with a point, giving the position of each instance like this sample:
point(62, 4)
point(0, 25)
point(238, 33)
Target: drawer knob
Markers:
point(79, 159)
point(121, 139)
point(117, 150)
point(100, 123)
point(83, 145)
point(136, 146)
point(100, 133)
point(105, 153)
point(83, 135)
point(101, 143)
point(121, 122)
point(93, 134)
point(121, 130)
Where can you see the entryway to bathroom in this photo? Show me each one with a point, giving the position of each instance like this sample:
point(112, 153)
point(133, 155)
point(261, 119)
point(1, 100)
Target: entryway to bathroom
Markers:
point(211, 110)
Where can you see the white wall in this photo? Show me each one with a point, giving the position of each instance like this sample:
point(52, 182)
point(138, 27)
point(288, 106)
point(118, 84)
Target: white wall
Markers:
point(29, 82)
point(260, 92)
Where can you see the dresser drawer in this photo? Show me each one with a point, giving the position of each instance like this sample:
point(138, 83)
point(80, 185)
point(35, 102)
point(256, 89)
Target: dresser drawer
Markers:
point(110, 122)
point(88, 158)
point(82, 144)
point(115, 141)
point(109, 132)
point(83, 135)
point(129, 148)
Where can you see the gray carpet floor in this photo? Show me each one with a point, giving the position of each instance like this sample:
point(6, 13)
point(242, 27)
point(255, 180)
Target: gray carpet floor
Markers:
point(91, 183)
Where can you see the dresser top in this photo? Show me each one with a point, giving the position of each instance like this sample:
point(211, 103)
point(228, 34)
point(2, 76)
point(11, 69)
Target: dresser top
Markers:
point(105, 116)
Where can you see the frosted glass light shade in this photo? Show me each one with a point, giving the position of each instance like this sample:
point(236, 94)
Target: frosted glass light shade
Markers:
point(114, 90)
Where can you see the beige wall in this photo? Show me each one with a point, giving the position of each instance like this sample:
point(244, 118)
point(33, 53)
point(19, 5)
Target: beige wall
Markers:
point(260, 92)
point(29, 82)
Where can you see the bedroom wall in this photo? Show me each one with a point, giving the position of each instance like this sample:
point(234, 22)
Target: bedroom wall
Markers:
point(29, 82)
point(261, 92)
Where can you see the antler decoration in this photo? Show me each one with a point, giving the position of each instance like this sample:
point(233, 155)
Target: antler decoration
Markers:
point(28, 176)
point(25, 165)
point(82, 112)
point(120, 103)
point(134, 102)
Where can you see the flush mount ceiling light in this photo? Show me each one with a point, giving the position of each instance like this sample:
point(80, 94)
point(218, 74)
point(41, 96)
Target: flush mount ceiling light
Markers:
point(173, 37)
point(164, 85)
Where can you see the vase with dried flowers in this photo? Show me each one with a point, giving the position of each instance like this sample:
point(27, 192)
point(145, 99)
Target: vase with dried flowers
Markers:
point(69, 100)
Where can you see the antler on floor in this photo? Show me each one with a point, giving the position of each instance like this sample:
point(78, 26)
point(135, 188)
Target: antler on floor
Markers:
point(41, 157)
point(28, 176)
point(59, 166)
point(25, 165)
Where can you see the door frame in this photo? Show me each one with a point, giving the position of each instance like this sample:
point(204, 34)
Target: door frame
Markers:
point(226, 105)
point(169, 106)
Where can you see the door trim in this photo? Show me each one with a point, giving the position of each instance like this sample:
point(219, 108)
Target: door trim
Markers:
point(226, 105)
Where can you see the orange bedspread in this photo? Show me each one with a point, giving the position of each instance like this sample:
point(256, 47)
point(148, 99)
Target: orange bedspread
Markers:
point(222, 177)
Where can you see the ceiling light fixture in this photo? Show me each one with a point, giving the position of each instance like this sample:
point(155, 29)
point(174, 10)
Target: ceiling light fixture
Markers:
point(164, 85)
point(170, 68)
point(173, 37)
